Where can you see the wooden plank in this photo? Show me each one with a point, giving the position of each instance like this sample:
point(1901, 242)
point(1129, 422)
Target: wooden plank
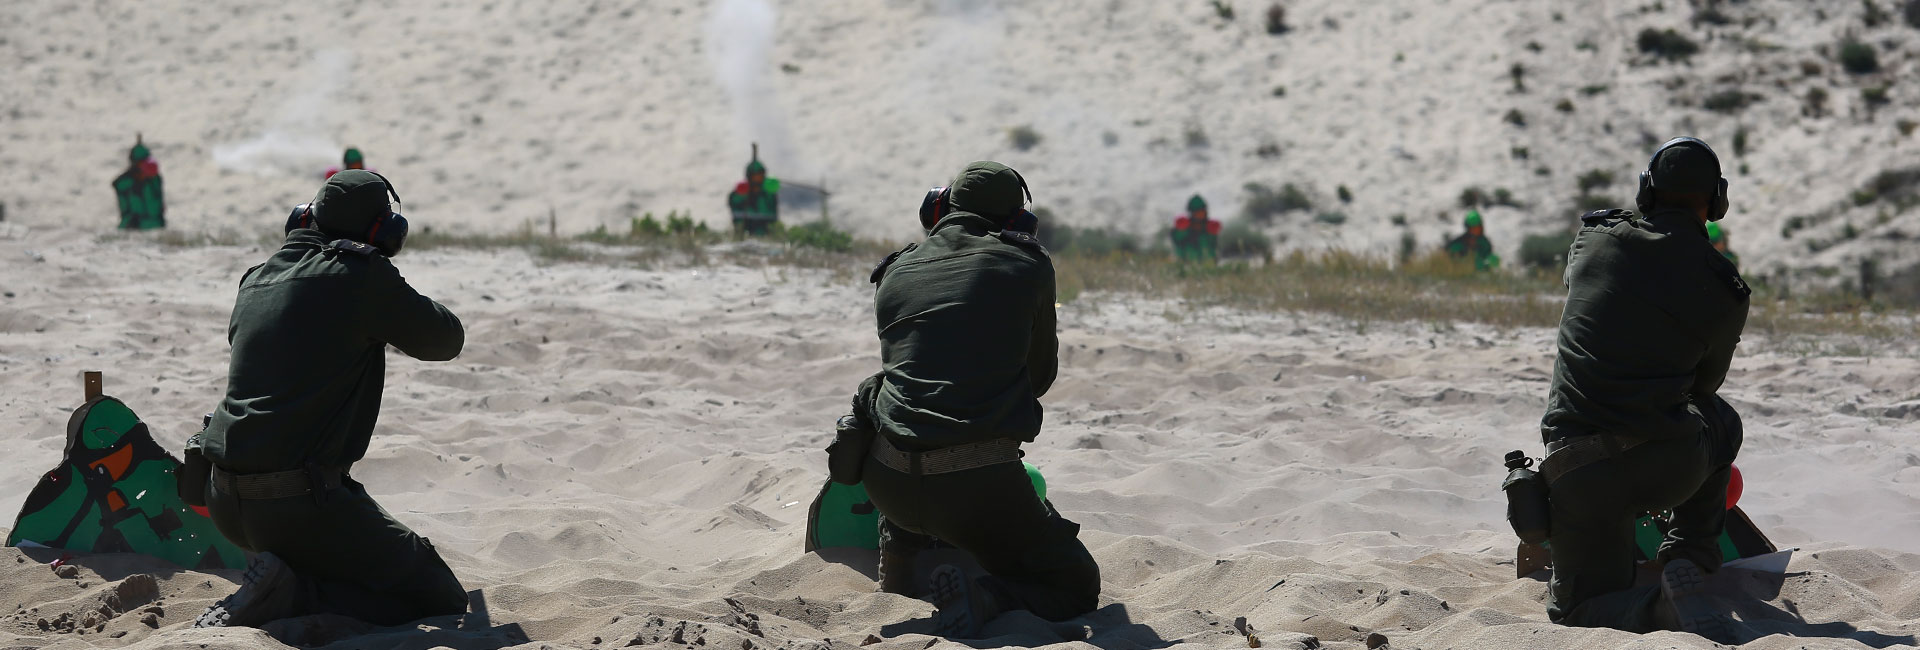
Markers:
point(91, 380)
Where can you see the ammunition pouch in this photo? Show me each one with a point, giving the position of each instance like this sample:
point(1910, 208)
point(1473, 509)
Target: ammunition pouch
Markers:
point(191, 479)
point(847, 454)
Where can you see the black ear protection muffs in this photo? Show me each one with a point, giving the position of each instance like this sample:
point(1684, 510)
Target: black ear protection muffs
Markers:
point(1644, 199)
point(387, 234)
point(939, 201)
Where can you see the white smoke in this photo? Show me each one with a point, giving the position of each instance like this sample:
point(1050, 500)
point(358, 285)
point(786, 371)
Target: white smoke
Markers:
point(296, 141)
point(739, 43)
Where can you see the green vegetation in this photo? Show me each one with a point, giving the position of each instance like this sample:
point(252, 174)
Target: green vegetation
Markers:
point(1875, 96)
point(1667, 44)
point(1594, 179)
point(1222, 9)
point(1732, 100)
point(1276, 19)
point(1857, 57)
point(1740, 142)
point(1263, 203)
point(1913, 13)
point(1815, 105)
point(1564, 105)
point(1331, 218)
point(1516, 118)
point(1240, 239)
point(1346, 196)
point(1546, 252)
point(1023, 137)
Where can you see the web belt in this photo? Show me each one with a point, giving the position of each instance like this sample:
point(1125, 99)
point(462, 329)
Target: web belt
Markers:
point(947, 460)
point(1568, 454)
point(274, 485)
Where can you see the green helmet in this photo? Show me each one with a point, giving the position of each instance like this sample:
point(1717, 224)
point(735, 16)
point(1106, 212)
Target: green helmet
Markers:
point(352, 156)
point(1196, 204)
point(1713, 232)
point(756, 168)
point(138, 153)
point(1473, 219)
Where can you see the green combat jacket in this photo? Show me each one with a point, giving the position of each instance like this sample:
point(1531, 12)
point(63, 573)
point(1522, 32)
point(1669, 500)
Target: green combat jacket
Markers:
point(310, 331)
point(1652, 317)
point(142, 199)
point(1479, 247)
point(967, 337)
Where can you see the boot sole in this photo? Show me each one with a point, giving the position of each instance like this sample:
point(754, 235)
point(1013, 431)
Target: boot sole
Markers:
point(263, 579)
point(1685, 588)
point(949, 592)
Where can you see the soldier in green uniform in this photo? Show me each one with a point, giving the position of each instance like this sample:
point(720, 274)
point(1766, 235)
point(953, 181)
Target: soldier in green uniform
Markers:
point(1474, 243)
point(310, 332)
point(1633, 422)
point(138, 190)
point(968, 347)
point(755, 202)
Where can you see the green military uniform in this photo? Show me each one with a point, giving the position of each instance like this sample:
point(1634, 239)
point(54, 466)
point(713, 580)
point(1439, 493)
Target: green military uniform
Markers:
point(966, 323)
point(1475, 244)
point(1652, 317)
point(309, 331)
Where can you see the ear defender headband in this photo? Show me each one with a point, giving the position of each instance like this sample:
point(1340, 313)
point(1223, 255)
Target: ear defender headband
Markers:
point(938, 202)
point(387, 234)
point(1716, 210)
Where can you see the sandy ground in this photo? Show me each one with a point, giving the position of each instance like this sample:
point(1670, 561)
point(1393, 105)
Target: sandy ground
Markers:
point(625, 456)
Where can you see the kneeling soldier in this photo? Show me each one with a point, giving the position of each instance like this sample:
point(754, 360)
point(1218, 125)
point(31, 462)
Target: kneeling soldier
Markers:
point(967, 338)
point(310, 332)
point(1634, 423)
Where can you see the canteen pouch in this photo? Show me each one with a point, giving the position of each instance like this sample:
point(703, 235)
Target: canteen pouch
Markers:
point(1528, 508)
point(191, 478)
point(847, 454)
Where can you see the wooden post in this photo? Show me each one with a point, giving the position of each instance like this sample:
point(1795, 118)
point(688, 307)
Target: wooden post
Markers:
point(91, 381)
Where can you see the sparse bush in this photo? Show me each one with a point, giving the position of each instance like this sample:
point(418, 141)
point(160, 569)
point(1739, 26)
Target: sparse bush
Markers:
point(1346, 196)
point(1543, 170)
point(1503, 197)
point(1857, 57)
point(1565, 105)
point(1331, 218)
point(1873, 15)
point(1276, 19)
point(1264, 203)
point(1906, 126)
point(1516, 118)
point(1520, 153)
point(1534, 46)
point(1712, 15)
point(1546, 252)
point(1667, 44)
point(1586, 46)
point(1196, 136)
point(818, 234)
point(1811, 68)
point(1473, 197)
point(1901, 186)
point(1023, 137)
point(1398, 220)
point(1268, 150)
point(1740, 142)
point(1732, 100)
point(1223, 10)
point(1913, 13)
point(645, 227)
point(1519, 74)
point(1279, 91)
point(1593, 180)
point(1815, 105)
point(1875, 96)
point(1240, 239)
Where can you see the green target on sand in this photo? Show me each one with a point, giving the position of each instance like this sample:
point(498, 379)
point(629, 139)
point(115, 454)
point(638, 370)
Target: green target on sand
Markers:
point(114, 492)
point(843, 516)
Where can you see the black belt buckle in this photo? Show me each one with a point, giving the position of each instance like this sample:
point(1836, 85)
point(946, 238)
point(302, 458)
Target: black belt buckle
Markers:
point(316, 479)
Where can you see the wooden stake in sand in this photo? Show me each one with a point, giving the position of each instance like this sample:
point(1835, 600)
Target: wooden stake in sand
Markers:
point(91, 381)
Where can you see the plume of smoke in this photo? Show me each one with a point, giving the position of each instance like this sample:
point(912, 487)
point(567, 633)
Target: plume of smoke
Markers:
point(739, 40)
point(295, 141)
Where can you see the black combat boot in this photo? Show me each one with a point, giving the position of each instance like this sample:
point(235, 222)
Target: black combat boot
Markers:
point(270, 591)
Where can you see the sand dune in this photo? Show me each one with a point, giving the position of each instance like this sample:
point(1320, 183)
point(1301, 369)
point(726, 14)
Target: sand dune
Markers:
point(625, 456)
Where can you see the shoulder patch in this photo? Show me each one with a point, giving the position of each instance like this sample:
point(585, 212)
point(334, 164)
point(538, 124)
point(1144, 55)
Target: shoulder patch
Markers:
point(880, 270)
point(1598, 215)
point(1023, 240)
point(351, 246)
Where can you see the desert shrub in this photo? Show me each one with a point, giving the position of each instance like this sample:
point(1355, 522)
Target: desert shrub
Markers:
point(1857, 57)
point(1346, 195)
point(1913, 13)
point(1398, 219)
point(1667, 44)
point(1712, 15)
point(1594, 179)
point(1811, 68)
point(1520, 153)
point(1276, 19)
point(1906, 126)
point(1196, 136)
point(1240, 239)
point(1516, 118)
point(1547, 252)
point(1873, 15)
point(1564, 105)
point(1023, 137)
point(1732, 100)
point(1519, 74)
point(1901, 186)
point(1331, 218)
point(1815, 104)
point(1474, 197)
point(1263, 203)
point(1501, 196)
point(1740, 142)
point(818, 234)
point(1875, 96)
point(1223, 10)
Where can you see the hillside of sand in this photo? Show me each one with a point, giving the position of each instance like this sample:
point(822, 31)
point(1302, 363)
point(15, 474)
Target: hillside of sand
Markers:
point(492, 114)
